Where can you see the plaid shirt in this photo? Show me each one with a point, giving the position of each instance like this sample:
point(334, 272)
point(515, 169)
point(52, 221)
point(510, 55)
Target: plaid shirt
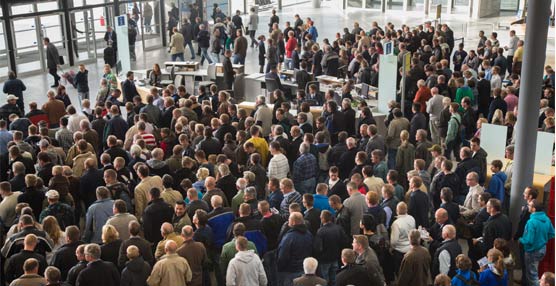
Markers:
point(305, 167)
point(278, 167)
point(65, 138)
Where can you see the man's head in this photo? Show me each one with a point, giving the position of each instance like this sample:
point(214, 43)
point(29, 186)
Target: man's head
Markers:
point(441, 216)
point(472, 179)
point(31, 266)
point(295, 219)
point(530, 194)
point(170, 247)
point(547, 279)
point(310, 265)
point(92, 252)
point(493, 206)
point(348, 256)
point(448, 232)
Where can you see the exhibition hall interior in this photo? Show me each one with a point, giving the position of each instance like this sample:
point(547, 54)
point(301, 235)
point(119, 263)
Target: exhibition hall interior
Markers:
point(277, 142)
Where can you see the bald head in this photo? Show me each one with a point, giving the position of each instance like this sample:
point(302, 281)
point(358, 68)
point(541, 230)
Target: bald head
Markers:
point(441, 215)
point(170, 247)
point(166, 229)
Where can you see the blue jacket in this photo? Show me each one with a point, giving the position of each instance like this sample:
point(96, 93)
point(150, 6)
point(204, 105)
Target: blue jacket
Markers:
point(295, 246)
point(219, 224)
point(538, 231)
point(465, 274)
point(321, 203)
point(97, 215)
point(488, 278)
point(496, 185)
point(314, 33)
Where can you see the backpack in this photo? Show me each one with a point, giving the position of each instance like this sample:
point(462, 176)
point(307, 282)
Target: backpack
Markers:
point(469, 282)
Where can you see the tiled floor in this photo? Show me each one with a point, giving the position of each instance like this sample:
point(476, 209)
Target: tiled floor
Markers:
point(329, 19)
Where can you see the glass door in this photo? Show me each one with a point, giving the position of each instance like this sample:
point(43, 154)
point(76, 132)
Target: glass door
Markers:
point(82, 33)
point(150, 25)
point(29, 49)
point(4, 67)
point(99, 18)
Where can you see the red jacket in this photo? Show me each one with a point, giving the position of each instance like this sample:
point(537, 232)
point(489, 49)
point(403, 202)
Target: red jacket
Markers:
point(290, 47)
point(422, 96)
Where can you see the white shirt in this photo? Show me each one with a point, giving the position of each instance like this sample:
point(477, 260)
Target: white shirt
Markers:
point(399, 236)
point(74, 120)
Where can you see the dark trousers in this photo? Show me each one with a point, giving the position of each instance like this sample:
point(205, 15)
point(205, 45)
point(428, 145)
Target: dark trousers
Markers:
point(510, 60)
point(54, 73)
point(397, 258)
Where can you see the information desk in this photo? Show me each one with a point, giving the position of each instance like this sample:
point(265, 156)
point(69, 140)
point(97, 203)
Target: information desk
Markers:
point(183, 66)
point(326, 79)
point(143, 91)
point(541, 182)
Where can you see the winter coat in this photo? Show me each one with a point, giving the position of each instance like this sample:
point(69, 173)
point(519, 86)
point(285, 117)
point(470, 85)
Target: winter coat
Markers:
point(294, 248)
point(136, 273)
point(172, 269)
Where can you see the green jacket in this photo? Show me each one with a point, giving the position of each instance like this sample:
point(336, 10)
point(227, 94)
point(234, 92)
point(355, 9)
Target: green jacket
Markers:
point(453, 128)
point(229, 251)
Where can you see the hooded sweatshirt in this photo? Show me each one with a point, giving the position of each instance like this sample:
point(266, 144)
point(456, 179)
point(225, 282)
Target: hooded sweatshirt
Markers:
point(245, 269)
point(538, 231)
point(136, 273)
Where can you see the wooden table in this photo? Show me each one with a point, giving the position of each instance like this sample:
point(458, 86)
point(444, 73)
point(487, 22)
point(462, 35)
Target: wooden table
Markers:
point(239, 69)
point(143, 91)
point(541, 182)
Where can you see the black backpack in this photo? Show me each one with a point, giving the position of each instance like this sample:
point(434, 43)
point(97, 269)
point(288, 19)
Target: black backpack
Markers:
point(470, 282)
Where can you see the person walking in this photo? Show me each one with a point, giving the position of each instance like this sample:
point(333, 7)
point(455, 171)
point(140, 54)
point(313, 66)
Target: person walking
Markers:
point(252, 25)
point(177, 45)
point(52, 60)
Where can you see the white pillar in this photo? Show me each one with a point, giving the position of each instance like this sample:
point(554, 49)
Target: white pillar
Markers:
point(383, 6)
point(426, 4)
point(450, 5)
point(406, 5)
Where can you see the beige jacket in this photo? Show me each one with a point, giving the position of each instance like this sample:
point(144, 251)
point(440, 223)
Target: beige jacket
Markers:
point(171, 269)
point(160, 246)
point(176, 44)
point(73, 152)
point(79, 163)
point(171, 196)
point(142, 193)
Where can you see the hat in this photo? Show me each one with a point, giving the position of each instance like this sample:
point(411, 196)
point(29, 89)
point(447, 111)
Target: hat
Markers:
point(52, 194)
point(436, 148)
point(11, 97)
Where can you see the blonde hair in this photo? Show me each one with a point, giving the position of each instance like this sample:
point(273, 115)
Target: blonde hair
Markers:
point(498, 117)
point(202, 173)
point(497, 259)
point(50, 225)
point(109, 234)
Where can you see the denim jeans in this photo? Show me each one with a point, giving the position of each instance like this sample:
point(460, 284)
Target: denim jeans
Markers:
point(190, 45)
point(178, 56)
point(238, 59)
point(288, 62)
point(306, 186)
point(147, 24)
point(205, 55)
point(532, 260)
point(392, 159)
point(328, 272)
point(286, 278)
point(215, 57)
point(82, 96)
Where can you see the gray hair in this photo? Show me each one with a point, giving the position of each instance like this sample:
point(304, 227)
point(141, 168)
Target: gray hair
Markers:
point(304, 148)
point(310, 265)
point(251, 191)
point(93, 250)
point(241, 183)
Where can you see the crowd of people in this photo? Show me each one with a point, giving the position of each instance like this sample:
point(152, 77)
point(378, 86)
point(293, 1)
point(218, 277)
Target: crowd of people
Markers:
point(191, 190)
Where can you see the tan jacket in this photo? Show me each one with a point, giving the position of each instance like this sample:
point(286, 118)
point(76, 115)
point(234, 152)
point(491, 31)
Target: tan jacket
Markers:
point(29, 280)
point(79, 163)
point(171, 269)
point(55, 109)
point(176, 44)
point(396, 127)
point(171, 196)
point(160, 246)
point(141, 193)
point(73, 152)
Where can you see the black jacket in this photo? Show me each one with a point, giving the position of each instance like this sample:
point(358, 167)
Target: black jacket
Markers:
point(356, 275)
point(14, 265)
point(329, 242)
point(90, 180)
point(271, 229)
point(465, 167)
point(210, 146)
point(419, 208)
point(313, 217)
point(99, 273)
point(343, 219)
point(497, 226)
point(144, 249)
point(109, 251)
point(74, 272)
point(136, 273)
point(340, 190)
point(349, 117)
point(346, 163)
point(228, 185)
point(156, 213)
point(64, 258)
point(129, 90)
